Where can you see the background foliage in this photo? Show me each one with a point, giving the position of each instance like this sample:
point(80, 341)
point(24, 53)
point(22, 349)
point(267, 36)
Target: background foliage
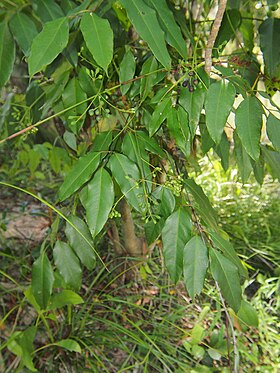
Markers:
point(108, 113)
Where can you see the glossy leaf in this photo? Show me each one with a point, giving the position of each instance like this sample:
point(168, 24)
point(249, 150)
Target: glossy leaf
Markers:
point(69, 344)
point(99, 200)
point(248, 120)
point(42, 280)
point(81, 247)
point(173, 35)
point(159, 115)
point(68, 265)
point(229, 252)
point(127, 69)
point(48, 44)
point(195, 265)
point(24, 31)
point(64, 298)
point(72, 96)
point(175, 234)
point(269, 32)
point(218, 104)
point(273, 131)
point(47, 10)
point(145, 21)
point(98, 36)
point(127, 175)
point(79, 175)
point(226, 275)
point(205, 209)
point(7, 53)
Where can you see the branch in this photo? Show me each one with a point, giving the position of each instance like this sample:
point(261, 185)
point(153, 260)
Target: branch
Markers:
point(213, 35)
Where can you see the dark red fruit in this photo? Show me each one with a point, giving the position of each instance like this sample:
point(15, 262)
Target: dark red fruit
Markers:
point(185, 83)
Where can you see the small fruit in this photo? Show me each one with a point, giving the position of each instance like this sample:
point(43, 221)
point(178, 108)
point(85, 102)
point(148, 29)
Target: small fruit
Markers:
point(185, 83)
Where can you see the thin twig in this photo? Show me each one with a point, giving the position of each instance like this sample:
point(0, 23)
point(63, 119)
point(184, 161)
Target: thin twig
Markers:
point(213, 35)
point(234, 342)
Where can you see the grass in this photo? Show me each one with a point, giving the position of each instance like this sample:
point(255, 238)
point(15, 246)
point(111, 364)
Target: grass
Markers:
point(151, 325)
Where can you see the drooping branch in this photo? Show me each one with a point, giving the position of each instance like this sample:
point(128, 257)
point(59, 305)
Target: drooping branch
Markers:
point(213, 35)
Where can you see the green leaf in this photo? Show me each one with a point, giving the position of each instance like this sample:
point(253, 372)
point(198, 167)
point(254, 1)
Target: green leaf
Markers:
point(178, 125)
point(64, 298)
point(136, 152)
point(127, 175)
point(72, 96)
point(226, 274)
point(205, 209)
point(273, 160)
point(98, 201)
point(69, 344)
point(47, 10)
point(173, 35)
point(248, 120)
point(149, 75)
point(175, 234)
point(166, 201)
point(219, 101)
point(145, 21)
point(269, 32)
point(242, 159)
point(193, 102)
point(79, 175)
point(80, 246)
point(248, 315)
point(230, 23)
point(99, 37)
point(102, 141)
point(229, 252)
point(273, 131)
point(150, 144)
point(68, 265)
point(42, 280)
point(127, 69)
point(223, 149)
point(26, 340)
point(195, 265)
point(48, 44)
point(7, 53)
point(24, 31)
point(159, 115)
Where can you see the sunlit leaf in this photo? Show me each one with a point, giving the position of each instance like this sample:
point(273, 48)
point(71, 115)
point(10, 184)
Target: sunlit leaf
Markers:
point(69, 344)
point(98, 36)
